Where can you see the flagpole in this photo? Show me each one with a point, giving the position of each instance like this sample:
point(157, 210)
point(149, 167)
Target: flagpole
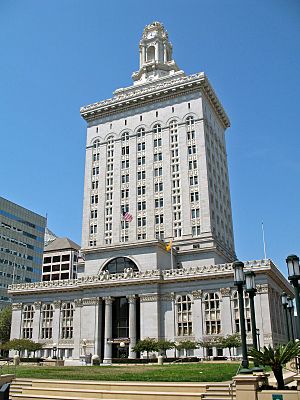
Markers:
point(172, 267)
point(264, 242)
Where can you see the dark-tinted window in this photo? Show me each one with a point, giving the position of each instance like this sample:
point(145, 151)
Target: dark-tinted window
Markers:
point(118, 265)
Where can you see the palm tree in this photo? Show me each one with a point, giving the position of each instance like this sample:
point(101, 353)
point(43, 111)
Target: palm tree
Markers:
point(276, 358)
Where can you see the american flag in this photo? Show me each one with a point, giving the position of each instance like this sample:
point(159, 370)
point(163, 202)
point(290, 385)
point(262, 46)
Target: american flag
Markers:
point(127, 216)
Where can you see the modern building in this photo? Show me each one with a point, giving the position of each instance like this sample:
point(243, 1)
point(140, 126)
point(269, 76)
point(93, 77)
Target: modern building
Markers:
point(21, 246)
point(155, 174)
point(60, 260)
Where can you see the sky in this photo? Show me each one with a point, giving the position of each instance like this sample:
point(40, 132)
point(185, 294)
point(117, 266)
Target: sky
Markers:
point(59, 55)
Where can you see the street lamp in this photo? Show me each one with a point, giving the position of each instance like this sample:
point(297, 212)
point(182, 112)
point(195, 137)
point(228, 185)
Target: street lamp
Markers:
point(258, 335)
point(54, 348)
point(239, 281)
point(290, 307)
point(284, 303)
point(294, 276)
point(251, 290)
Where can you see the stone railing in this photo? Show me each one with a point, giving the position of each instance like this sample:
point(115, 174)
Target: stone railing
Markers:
point(130, 276)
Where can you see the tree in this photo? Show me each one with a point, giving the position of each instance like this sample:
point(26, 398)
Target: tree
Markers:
point(148, 344)
point(186, 345)
point(164, 345)
point(5, 324)
point(21, 345)
point(209, 343)
point(276, 358)
point(230, 342)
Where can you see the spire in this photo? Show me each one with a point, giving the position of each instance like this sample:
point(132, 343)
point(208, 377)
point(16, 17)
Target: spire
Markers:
point(155, 54)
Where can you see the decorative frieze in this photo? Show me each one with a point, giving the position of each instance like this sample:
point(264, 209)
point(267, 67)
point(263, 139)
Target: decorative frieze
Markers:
point(149, 297)
point(262, 288)
point(16, 306)
point(197, 294)
point(37, 305)
point(225, 292)
point(57, 303)
point(90, 301)
point(78, 302)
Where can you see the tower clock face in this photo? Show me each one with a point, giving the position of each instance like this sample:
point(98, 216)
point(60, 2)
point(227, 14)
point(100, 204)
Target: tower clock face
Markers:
point(151, 35)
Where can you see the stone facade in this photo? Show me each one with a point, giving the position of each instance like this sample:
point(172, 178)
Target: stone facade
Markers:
point(155, 173)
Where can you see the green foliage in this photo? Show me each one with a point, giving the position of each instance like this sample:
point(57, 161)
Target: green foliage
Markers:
point(148, 344)
point(163, 345)
point(21, 345)
point(230, 342)
point(5, 324)
point(186, 345)
point(276, 358)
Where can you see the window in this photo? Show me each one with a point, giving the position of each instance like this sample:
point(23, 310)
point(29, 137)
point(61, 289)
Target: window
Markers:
point(47, 320)
point(184, 316)
point(141, 205)
point(95, 171)
point(192, 164)
point(95, 184)
point(193, 180)
point(157, 128)
point(125, 136)
point(125, 150)
point(212, 313)
point(141, 221)
point(194, 196)
point(27, 322)
point(157, 157)
point(141, 146)
point(192, 149)
point(236, 311)
point(141, 190)
point(141, 132)
point(158, 171)
point(159, 219)
point(196, 231)
point(125, 178)
point(93, 229)
point(96, 144)
point(141, 175)
point(190, 122)
point(94, 199)
point(159, 202)
point(125, 194)
point(157, 142)
point(125, 164)
point(67, 314)
point(158, 187)
point(118, 265)
point(195, 213)
point(141, 160)
point(141, 236)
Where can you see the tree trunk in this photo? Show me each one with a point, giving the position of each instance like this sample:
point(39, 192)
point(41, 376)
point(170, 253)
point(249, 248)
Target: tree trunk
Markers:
point(279, 377)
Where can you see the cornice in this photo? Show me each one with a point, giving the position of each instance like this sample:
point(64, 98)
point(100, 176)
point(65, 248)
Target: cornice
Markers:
point(155, 91)
point(157, 276)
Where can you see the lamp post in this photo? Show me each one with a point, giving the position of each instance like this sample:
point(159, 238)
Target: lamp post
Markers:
point(251, 290)
point(54, 348)
point(258, 335)
point(239, 281)
point(290, 307)
point(294, 276)
point(284, 303)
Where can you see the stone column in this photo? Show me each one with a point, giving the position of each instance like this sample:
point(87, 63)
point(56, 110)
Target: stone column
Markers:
point(132, 325)
point(36, 321)
point(108, 330)
point(16, 323)
point(77, 328)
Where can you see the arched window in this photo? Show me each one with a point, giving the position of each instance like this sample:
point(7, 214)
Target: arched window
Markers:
point(190, 121)
point(140, 132)
point(190, 128)
point(28, 314)
point(173, 131)
point(96, 144)
point(119, 264)
point(236, 311)
point(151, 53)
point(212, 314)
point(67, 314)
point(47, 320)
point(157, 128)
point(184, 316)
point(125, 136)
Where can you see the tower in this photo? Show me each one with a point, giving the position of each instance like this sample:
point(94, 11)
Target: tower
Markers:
point(156, 151)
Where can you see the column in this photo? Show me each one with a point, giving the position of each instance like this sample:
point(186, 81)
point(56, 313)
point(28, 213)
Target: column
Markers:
point(36, 321)
point(16, 322)
point(108, 330)
point(77, 328)
point(98, 337)
point(132, 325)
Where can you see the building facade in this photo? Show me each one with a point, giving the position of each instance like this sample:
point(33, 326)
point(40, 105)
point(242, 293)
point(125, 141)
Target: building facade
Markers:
point(60, 260)
point(155, 174)
point(21, 246)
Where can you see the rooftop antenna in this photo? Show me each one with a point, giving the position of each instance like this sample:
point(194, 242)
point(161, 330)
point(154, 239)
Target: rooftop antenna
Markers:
point(264, 242)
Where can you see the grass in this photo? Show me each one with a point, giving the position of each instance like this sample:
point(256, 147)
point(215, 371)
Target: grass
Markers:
point(200, 372)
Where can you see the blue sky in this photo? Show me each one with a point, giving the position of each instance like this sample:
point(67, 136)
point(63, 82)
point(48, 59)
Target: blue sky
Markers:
point(59, 55)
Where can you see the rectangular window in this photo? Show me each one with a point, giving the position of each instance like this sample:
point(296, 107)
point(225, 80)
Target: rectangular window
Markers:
point(195, 213)
point(94, 214)
point(196, 230)
point(141, 205)
point(125, 164)
point(141, 190)
point(157, 142)
point(141, 160)
point(125, 194)
point(193, 180)
point(96, 171)
point(125, 150)
point(192, 149)
point(159, 219)
point(158, 171)
point(194, 196)
point(141, 175)
point(141, 146)
point(159, 202)
point(141, 221)
point(157, 157)
point(158, 187)
point(192, 165)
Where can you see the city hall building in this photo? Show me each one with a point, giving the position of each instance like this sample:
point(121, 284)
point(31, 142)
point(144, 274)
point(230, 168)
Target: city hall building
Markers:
point(155, 175)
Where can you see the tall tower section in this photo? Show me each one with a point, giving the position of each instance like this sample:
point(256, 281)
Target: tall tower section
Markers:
point(156, 169)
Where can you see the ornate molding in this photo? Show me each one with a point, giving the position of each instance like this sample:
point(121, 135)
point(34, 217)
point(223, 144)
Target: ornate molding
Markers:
point(90, 301)
point(149, 297)
point(78, 303)
point(37, 305)
point(57, 304)
point(108, 300)
point(225, 292)
point(262, 288)
point(131, 299)
point(65, 341)
point(197, 294)
point(167, 296)
point(16, 306)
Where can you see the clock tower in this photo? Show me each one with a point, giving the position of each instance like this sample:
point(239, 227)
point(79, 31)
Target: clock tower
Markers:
point(155, 55)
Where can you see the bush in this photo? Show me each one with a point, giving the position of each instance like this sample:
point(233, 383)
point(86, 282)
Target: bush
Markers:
point(31, 360)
